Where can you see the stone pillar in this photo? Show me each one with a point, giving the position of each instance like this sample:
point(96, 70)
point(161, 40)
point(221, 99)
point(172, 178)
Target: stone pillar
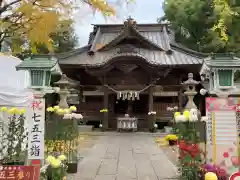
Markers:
point(105, 106)
point(150, 108)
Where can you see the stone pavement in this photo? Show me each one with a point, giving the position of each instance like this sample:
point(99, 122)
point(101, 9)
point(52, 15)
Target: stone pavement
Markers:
point(128, 156)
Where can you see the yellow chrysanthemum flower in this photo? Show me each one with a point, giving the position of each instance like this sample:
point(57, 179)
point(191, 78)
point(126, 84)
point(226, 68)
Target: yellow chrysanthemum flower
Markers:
point(60, 111)
point(56, 108)
point(3, 109)
point(50, 109)
point(67, 111)
point(64, 178)
point(210, 176)
point(104, 110)
point(73, 108)
point(55, 163)
point(12, 111)
point(50, 149)
point(171, 137)
point(187, 114)
point(62, 157)
point(177, 114)
point(22, 111)
point(50, 159)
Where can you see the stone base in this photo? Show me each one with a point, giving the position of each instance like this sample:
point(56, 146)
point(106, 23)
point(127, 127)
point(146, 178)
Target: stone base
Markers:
point(85, 128)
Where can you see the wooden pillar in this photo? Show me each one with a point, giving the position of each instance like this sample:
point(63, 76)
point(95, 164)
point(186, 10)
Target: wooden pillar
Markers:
point(105, 105)
point(150, 107)
point(180, 100)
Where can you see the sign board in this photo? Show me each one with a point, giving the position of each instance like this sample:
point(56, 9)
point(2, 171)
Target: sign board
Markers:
point(19, 172)
point(36, 130)
point(221, 127)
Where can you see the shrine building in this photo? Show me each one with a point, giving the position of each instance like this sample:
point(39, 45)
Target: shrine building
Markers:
point(131, 69)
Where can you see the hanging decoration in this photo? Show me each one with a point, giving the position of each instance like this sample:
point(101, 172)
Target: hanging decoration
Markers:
point(128, 94)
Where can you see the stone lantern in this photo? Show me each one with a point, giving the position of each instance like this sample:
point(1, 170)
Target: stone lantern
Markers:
point(40, 68)
point(63, 84)
point(190, 86)
point(73, 97)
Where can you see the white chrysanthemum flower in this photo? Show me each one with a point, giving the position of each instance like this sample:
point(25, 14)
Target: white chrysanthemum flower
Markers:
point(67, 116)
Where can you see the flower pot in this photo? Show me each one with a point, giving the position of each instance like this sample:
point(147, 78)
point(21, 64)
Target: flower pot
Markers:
point(168, 129)
point(172, 142)
point(72, 167)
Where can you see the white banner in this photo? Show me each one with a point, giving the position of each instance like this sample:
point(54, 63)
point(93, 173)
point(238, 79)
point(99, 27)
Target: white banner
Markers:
point(36, 130)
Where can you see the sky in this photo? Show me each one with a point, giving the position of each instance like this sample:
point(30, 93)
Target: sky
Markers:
point(143, 11)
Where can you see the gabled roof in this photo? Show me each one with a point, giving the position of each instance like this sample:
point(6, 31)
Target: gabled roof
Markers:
point(222, 60)
point(129, 32)
point(38, 62)
point(154, 37)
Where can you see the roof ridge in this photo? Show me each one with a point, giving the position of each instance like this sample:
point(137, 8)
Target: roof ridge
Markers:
point(129, 25)
point(65, 55)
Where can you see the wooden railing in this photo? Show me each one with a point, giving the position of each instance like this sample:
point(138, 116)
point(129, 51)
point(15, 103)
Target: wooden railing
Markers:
point(162, 107)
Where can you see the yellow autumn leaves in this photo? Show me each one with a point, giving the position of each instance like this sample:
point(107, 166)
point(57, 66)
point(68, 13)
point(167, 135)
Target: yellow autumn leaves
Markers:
point(223, 9)
point(35, 21)
point(13, 110)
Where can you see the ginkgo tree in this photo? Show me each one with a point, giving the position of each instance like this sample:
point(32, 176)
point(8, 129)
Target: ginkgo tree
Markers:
point(35, 20)
point(225, 12)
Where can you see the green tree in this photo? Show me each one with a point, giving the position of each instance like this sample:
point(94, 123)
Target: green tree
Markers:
point(195, 22)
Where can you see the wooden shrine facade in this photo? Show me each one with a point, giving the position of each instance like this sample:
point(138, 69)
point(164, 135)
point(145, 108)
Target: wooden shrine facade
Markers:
point(130, 69)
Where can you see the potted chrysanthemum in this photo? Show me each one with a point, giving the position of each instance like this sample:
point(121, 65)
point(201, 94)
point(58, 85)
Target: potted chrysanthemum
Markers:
point(66, 133)
point(14, 139)
point(56, 168)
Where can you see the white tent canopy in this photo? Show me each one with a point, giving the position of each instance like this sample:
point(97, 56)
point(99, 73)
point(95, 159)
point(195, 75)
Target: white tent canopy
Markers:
point(13, 83)
point(13, 92)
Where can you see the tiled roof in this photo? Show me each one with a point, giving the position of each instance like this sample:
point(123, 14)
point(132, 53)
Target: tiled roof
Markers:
point(157, 34)
point(152, 57)
point(155, 37)
point(38, 61)
point(222, 60)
